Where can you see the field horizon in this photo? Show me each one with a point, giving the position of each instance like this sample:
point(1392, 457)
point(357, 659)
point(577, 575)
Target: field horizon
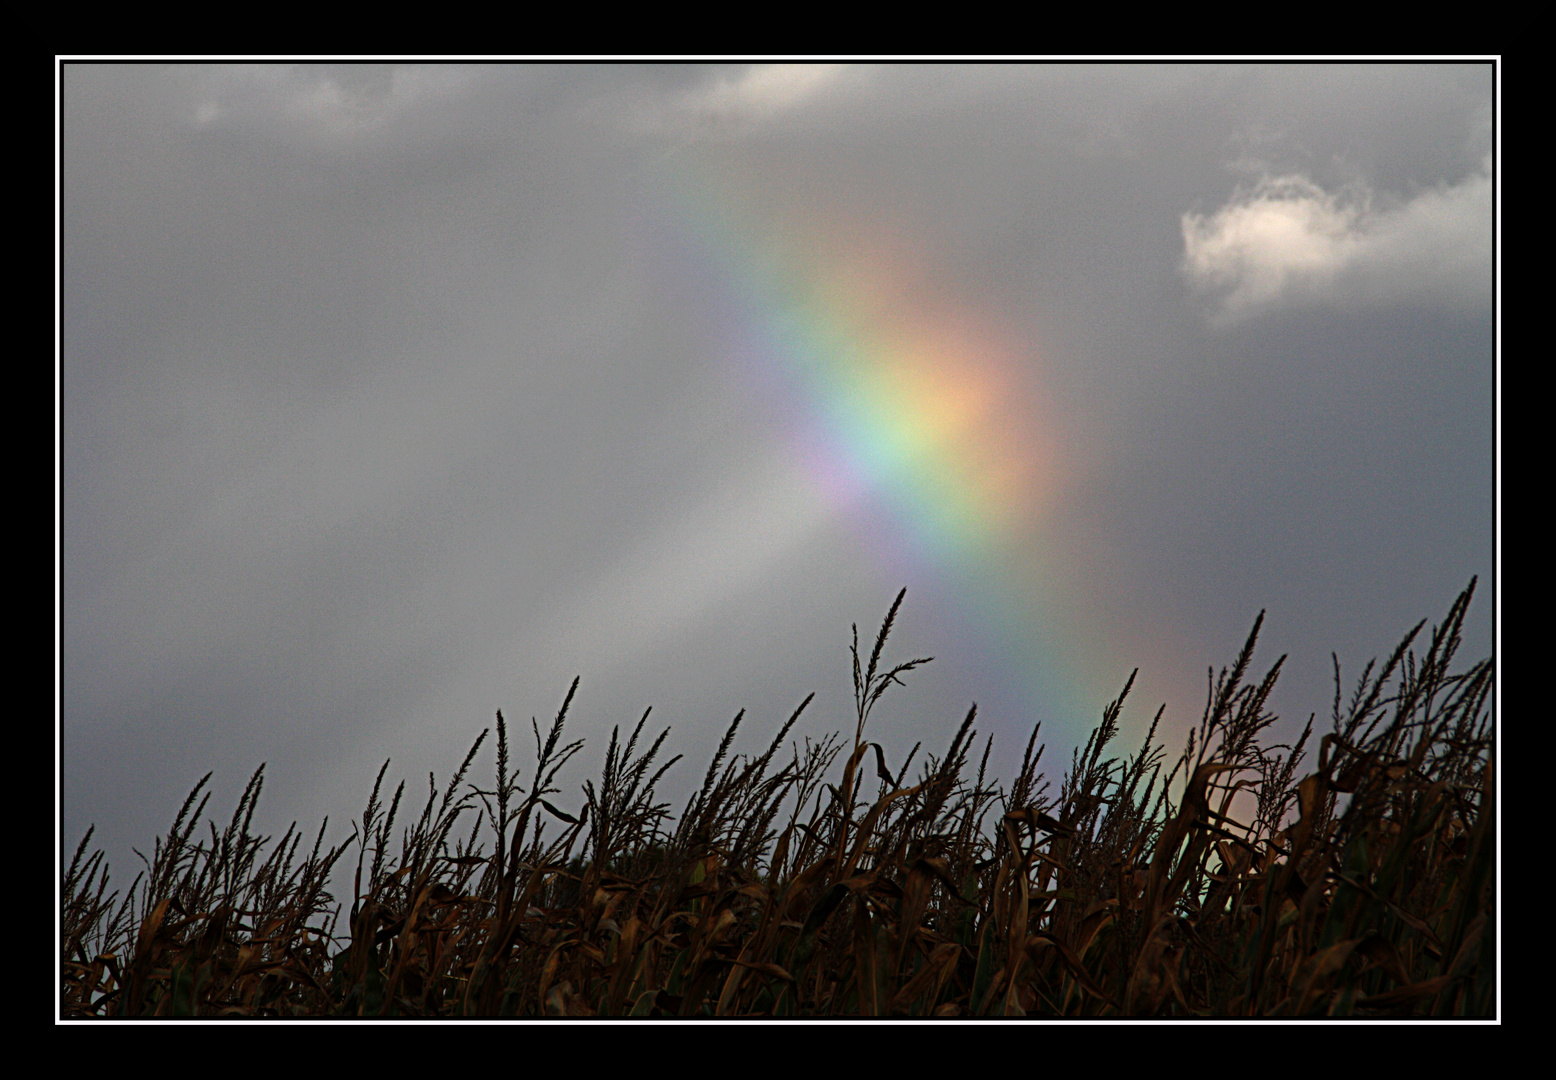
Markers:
point(1235, 878)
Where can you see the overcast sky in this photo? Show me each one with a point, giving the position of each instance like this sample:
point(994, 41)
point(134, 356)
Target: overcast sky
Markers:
point(395, 395)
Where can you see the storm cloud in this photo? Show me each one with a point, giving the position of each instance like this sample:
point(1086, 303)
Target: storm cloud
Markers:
point(393, 395)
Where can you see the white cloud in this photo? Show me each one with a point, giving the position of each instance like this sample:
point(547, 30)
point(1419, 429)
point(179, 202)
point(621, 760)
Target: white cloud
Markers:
point(1287, 242)
point(729, 103)
point(320, 102)
point(761, 90)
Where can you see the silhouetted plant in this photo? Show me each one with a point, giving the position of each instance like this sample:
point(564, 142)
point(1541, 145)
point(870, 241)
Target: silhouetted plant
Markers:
point(778, 893)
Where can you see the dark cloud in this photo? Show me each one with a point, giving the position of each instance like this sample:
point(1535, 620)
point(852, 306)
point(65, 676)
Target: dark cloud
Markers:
point(395, 395)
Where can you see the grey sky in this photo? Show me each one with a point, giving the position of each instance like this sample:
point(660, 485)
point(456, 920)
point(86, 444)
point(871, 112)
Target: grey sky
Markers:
point(395, 395)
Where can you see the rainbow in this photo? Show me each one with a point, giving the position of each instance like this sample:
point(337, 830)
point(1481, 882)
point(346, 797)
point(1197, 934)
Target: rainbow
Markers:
point(922, 419)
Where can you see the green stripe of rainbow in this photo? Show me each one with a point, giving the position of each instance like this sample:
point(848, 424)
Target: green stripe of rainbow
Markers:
point(928, 424)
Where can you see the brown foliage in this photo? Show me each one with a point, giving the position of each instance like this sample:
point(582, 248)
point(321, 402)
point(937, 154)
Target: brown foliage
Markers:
point(940, 897)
